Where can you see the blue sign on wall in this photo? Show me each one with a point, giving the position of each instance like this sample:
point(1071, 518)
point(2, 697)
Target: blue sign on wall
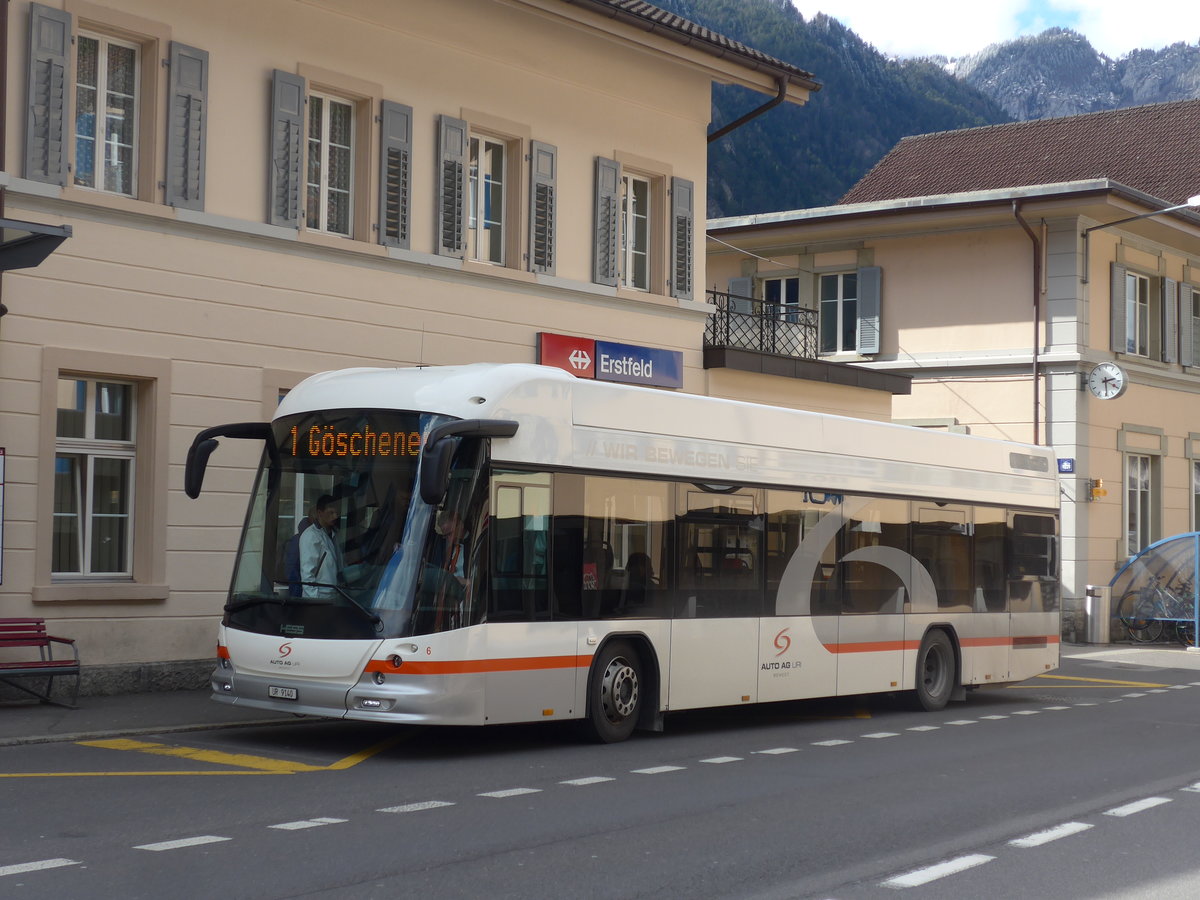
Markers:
point(1066, 466)
point(631, 364)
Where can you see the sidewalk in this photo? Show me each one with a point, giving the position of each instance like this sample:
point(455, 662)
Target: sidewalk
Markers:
point(177, 711)
point(123, 715)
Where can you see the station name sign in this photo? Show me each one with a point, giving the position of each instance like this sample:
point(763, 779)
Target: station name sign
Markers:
point(611, 361)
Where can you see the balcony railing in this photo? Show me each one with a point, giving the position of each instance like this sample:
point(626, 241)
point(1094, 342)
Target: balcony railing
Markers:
point(749, 324)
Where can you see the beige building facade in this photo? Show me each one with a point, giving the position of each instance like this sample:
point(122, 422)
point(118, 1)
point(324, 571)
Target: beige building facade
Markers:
point(328, 184)
point(1000, 303)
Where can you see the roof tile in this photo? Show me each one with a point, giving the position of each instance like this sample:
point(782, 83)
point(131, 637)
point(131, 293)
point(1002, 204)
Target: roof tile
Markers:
point(1151, 148)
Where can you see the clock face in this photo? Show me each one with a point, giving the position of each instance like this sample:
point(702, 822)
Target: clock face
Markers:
point(1107, 381)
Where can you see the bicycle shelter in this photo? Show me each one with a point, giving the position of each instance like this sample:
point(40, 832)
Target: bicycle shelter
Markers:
point(1158, 588)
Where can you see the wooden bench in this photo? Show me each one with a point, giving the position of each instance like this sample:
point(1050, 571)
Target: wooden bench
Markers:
point(17, 634)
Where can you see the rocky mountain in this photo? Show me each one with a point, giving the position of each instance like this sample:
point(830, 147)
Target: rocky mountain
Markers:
point(1059, 73)
point(798, 157)
point(795, 157)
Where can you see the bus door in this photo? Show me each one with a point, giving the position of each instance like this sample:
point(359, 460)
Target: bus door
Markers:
point(528, 654)
point(874, 575)
point(719, 596)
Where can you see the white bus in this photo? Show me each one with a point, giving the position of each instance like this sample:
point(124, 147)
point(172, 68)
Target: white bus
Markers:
point(507, 543)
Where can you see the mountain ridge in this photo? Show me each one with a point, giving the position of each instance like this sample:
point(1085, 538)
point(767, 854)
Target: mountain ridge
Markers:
point(808, 156)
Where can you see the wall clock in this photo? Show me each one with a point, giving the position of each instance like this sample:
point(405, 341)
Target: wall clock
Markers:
point(1107, 381)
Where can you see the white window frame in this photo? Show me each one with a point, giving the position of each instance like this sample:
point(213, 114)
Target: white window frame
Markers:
point(323, 147)
point(839, 303)
point(631, 249)
point(479, 240)
point(87, 450)
point(100, 149)
point(1195, 494)
point(1141, 485)
point(788, 286)
point(1138, 320)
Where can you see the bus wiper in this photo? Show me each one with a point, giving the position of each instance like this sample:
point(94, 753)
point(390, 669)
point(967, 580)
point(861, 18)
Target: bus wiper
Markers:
point(254, 601)
point(374, 619)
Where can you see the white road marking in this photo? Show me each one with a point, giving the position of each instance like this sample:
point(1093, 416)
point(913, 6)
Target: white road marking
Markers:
point(963, 722)
point(415, 807)
point(1055, 707)
point(1137, 806)
point(993, 718)
point(830, 743)
point(1133, 695)
point(1178, 687)
point(307, 823)
point(924, 728)
point(1085, 704)
point(722, 759)
point(658, 770)
point(1026, 712)
point(776, 751)
point(591, 779)
point(21, 868)
point(183, 842)
point(1194, 788)
point(941, 870)
point(1050, 834)
point(510, 792)
point(880, 734)
point(1157, 691)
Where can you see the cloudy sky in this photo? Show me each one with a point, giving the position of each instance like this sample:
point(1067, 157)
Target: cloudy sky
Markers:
point(956, 28)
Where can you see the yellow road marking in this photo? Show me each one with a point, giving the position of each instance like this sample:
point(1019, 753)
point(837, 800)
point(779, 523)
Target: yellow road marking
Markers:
point(248, 764)
point(109, 774)
point(240, 760)
point(1105, 681)
point(355, 758)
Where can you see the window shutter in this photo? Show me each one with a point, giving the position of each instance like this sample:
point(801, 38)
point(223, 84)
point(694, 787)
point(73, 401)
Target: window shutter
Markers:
point(869, 302)
point(1117, 308)
point(452, 185)
point(46, 107)
point(683, 194)
point(1188, 326)
point(187, 119)
point(741, 292)
point(286, 179)
point(543, 171)
point(1170, 307)
point(395, 174)
point(606, 227)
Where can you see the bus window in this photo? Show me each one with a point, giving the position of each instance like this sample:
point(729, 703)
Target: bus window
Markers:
point(1032, 563)
point(622, 548)
point(990, 595)
point(869, 580)
point(520, 525)
point(720, 536)
point(942, 544)
point(791, 517)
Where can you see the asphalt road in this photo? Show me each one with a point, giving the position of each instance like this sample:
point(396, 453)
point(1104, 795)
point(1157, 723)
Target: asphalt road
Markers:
point(1083, 784)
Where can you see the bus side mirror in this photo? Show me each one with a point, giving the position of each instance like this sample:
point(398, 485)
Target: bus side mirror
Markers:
point(438, 451)
point(197, 462)
point(206, 442)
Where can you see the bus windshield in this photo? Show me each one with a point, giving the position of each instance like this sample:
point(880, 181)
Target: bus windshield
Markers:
point(338, 541)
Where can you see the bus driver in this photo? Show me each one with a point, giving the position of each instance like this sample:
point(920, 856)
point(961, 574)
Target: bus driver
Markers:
point(320, 556)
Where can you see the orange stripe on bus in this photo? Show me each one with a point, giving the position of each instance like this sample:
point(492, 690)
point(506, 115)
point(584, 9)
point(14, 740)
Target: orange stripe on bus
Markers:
point(891, 646)
point(872, 646)
point(475, 666)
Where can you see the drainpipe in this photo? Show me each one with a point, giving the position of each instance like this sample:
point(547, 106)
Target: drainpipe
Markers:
point(782, 83)
point(3, 120)
point(1037, 313)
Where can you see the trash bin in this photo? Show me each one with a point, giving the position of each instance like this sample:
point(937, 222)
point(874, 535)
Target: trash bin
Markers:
point(1097, 614)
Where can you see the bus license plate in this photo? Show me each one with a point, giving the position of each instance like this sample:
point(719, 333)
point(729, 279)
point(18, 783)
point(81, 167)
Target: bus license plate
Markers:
point(281, 693)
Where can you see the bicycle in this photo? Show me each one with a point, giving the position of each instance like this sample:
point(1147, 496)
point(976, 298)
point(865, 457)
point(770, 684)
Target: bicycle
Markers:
point(1146, 612)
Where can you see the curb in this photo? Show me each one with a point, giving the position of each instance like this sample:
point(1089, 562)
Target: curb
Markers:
point(160, 729)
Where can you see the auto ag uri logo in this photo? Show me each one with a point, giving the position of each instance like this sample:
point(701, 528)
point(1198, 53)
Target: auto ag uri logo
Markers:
point(285, 649)
point(782, 642)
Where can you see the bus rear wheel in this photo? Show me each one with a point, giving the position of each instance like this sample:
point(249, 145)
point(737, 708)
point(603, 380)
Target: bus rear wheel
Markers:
point(614, 693)
point(937, 672)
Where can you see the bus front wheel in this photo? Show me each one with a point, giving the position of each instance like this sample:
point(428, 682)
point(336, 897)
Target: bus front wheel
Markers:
point(936, 671)
point(614, 693)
